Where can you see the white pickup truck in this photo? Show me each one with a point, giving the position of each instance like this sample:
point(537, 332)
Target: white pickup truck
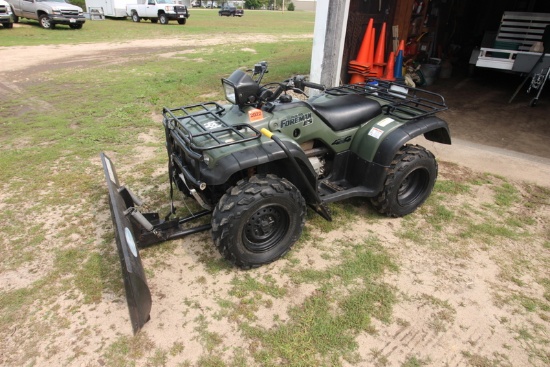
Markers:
point(48, 12)
point(157, 11)
point(6, 15)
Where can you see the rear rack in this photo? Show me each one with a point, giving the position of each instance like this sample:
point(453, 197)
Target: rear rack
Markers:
point(201, 128)
point(403, 102)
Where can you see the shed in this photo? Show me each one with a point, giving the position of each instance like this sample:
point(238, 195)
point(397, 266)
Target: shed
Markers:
point(442, 30)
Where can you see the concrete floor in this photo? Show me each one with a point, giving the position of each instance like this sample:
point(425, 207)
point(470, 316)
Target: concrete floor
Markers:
point(491, 135)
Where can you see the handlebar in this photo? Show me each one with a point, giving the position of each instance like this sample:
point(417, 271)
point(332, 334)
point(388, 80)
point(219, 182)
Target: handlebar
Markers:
point(297, 84)
point(313, 85)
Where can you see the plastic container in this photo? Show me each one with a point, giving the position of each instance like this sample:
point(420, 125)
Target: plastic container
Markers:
point(430, 70)
point(446, 70)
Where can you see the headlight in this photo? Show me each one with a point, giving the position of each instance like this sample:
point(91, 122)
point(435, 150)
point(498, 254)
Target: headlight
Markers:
point(169, 8)
point(240, 89)
point(229, 91)
point(206, 159)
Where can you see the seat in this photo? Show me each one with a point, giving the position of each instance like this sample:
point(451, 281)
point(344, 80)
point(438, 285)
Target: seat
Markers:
point(347, 111)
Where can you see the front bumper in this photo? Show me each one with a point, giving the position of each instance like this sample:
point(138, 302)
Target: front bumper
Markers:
point(174, 16)
point(6, 18)
point(61, 19)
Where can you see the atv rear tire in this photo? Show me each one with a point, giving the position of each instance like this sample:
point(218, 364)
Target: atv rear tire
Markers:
point(258, 220)
point(409, 182)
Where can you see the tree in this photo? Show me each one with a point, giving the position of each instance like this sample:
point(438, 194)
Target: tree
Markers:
point(254, 4)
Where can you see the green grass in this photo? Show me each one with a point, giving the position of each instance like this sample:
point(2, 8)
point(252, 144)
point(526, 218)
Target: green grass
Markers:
point(202, 23)
point(323, 328)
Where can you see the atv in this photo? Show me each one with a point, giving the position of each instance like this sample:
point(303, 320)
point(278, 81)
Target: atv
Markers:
point(253, 166)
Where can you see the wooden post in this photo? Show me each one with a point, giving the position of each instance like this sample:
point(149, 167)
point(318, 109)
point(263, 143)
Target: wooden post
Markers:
point(328, 41)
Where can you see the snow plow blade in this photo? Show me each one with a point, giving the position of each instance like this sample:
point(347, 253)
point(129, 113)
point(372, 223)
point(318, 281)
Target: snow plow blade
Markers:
point(138, 294)
point(134, 230)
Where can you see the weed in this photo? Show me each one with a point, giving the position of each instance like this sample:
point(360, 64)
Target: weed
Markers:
point(126, 350)
point(413, 361)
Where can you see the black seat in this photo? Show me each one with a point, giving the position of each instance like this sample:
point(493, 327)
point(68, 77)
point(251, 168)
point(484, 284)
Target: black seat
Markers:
point(344, 112)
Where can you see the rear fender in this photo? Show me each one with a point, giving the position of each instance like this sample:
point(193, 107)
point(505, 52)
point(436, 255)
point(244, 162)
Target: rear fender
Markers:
point(379, 140)
point(376, 144)
point(433, 129)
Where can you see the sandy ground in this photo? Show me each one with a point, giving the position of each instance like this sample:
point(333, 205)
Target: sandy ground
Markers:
point(463, 282)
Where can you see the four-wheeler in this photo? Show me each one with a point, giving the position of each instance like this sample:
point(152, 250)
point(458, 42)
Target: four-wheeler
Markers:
point(253, 165)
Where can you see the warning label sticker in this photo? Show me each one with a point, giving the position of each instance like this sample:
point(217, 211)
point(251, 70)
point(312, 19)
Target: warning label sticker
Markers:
point(376, 132)
point(385, 121)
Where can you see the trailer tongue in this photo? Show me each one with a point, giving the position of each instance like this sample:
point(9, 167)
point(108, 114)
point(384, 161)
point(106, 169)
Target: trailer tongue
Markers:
point(135, 230)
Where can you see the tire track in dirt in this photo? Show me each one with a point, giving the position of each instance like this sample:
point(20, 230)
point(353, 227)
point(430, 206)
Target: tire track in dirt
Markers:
point(50, 57)
point(8, 89)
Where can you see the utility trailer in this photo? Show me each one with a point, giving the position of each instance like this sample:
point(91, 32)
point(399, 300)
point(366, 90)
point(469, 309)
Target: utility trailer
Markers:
point(521, 46)
point(510, 48)
point(109, 8)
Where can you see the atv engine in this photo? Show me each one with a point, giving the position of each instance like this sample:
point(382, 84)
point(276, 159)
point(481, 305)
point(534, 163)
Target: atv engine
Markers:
point(318, 164)
point(316, 156)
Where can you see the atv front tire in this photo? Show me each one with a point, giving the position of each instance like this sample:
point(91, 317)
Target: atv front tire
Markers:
point(409, 182)
point(258, 220)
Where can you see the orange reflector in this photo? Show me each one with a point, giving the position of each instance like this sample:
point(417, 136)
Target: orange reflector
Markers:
point(255, 115)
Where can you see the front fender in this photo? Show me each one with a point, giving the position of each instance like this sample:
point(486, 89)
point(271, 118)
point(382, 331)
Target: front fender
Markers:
point(263, 155)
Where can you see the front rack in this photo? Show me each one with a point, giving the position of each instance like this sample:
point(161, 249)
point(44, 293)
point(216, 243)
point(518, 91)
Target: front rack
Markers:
point(201, 128)
point(403, 102)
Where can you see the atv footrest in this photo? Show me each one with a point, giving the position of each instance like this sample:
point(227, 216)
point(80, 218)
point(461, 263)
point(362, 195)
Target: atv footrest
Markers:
point(333, 186)
point(330, 191)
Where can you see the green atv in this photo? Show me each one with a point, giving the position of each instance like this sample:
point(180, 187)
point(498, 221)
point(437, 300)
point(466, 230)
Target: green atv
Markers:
point(254, 164)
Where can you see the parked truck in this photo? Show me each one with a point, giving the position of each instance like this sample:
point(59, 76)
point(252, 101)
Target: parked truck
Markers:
point(230, 11)
point(49, 13)
point(6, 15)
point(157, 11)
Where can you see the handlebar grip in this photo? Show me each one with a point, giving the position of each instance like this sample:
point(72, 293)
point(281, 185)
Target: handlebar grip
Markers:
point(313, 85)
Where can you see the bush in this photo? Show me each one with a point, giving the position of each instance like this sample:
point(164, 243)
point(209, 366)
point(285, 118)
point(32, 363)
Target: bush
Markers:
point(80, 3)
point(290, 6)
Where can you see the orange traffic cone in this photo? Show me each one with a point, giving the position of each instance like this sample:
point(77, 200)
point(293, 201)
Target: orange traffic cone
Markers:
point(401, 46)
point(389, 68)
point(363, 54)
point(379, 63)
point(370, 60)
point(360, 66)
